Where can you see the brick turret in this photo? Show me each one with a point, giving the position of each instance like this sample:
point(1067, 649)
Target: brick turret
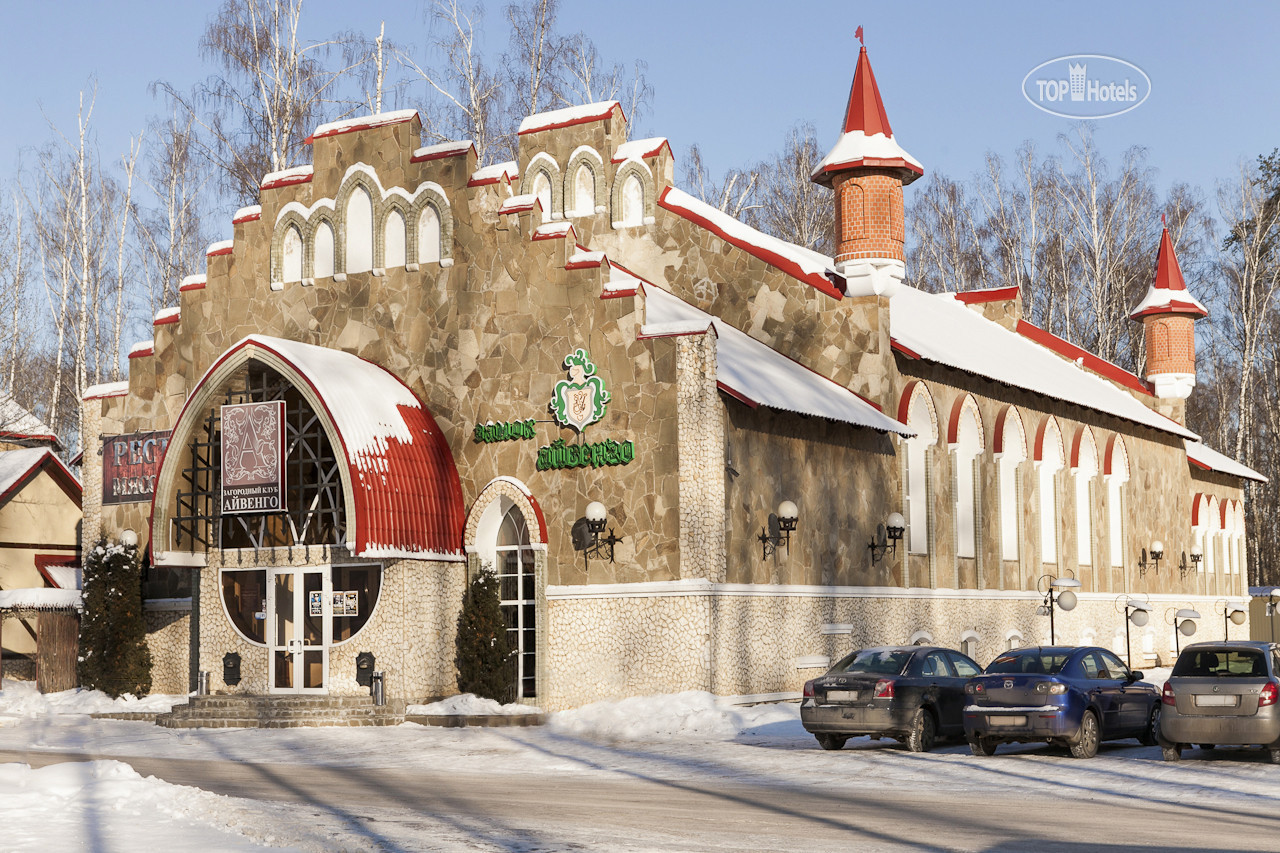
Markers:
point(1168, 314)
point(867, 169)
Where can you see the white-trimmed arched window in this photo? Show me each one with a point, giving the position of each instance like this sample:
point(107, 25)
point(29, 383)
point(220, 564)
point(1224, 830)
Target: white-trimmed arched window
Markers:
point(1200, 529)
point(1212, 537)
point(584, 191)
point(542, 189)
point(1048, 463)
point(632, 201)
point(322, 262)
point(966, 442)
point(393, 242)
point(1117, 474)
point(922, 419)
point(1010, 454)
point(291, 250)
point(428, 236)
point(358, 224)
point(1084, 469)
point(1013, 640)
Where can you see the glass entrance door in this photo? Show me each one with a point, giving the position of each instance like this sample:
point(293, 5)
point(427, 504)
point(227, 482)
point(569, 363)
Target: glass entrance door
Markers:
point(300, 631)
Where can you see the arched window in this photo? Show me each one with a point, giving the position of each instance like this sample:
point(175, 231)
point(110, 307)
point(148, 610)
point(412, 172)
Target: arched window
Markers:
point(542, 189)
point(1085, 468)
point(428, 236)
point(393, 241)
point(517, 588)
point(916, 494)
point(966, 445)
point(358, 224)
point(1117, 474)
point(1013, 640)
point(1213, 528)
point(1012, 453)
point(584, 191)
point(291, 249)
point(322, 265)
point(1048, 464)
point(632, 201)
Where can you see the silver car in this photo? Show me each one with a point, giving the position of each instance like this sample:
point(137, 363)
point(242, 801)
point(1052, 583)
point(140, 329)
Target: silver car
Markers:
point(1222, 693)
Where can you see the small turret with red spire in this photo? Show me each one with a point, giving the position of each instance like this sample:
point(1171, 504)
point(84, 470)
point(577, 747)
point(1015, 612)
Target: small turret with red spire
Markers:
point(1168, 313)
point(867, 168)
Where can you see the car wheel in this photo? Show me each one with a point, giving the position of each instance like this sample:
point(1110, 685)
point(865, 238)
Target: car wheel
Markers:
point(1153, 728)
point(924, 731)
point(1273, 755)
point(982, 746)
point(1086, 743)
point(1172, 753)
point(831, 741)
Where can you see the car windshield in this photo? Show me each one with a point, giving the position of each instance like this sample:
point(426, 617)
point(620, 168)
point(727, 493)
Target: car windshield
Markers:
point(875, 661)
point(1033, 661)
point(1222, 663)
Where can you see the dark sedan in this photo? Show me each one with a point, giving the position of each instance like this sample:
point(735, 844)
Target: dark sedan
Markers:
point(1074, 696)
point(912, 693)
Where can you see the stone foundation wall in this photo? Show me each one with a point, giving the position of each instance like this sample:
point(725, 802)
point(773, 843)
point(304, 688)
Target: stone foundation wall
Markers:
point(169, 639)
point(754, 640)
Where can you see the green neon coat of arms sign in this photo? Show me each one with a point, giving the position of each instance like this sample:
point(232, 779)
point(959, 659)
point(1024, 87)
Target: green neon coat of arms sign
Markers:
point(581, 399)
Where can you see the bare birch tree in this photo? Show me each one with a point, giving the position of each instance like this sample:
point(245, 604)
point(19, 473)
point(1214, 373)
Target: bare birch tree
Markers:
point(735, 194)
point(791, 206)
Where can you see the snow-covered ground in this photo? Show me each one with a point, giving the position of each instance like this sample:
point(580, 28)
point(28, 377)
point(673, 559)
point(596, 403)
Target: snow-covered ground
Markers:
point(690, 737)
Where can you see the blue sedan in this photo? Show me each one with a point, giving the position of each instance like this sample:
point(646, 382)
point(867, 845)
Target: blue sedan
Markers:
point(1077, 696)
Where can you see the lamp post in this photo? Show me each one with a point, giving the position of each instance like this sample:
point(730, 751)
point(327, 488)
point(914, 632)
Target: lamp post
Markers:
point(1059, 592)
point(1137, 612)
point(1183, 623)
point(1271, 612)
point(1232, 611)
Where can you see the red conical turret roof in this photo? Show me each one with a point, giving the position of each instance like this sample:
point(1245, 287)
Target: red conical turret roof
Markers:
point(1168, 293)
point(866, 139)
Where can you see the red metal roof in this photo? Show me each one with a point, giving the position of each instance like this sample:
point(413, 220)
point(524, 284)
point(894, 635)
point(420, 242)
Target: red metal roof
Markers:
point(865, 111)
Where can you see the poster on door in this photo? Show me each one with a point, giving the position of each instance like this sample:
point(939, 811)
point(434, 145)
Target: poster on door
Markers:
point(253, 478)
point(315, 603)
point(346, 602)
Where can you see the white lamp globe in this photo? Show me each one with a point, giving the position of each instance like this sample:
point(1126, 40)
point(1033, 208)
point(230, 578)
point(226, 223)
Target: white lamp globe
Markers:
point(596, 512)
point(128, 538)
point(1067, 600)
point(1237, 617)
point(1187, 627)
point(1157, 548)
point(1139, 617)
point(787, 511)
point(895, 521)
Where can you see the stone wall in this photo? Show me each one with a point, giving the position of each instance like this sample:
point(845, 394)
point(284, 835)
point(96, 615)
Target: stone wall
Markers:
point(169, 639)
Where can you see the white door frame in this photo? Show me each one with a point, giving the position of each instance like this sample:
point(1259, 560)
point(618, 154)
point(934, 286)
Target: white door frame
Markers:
point(288, 639)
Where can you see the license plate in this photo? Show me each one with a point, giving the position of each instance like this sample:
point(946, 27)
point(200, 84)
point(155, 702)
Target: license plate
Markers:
point(1229, 701)
point(842, 695)
point(1007, 721)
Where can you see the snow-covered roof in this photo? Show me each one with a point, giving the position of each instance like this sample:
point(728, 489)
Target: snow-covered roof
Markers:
point(142, 348)
point(443, 149)
point(16, 420)
point(42, 598)
point(221, 247)
point(1203, 456)
point(288, 177)
point(519, 203)
point(17, 465)
point(335, 128)
point(492, 174)
point(167, 315)
point(247, 214)
point(192, 282)
point(805, 264)
point(866, 138)
point(568, 116)
point(550, 230)
point(408, 498)
point(65, 577)
point(106, 389)
point(942, 329)
point(1168, 292)
point(639, 149)
point(756, 373)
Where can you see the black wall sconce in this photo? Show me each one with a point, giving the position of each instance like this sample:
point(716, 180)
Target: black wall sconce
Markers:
point(1151, 561)
point(597, 518)
point(1196, 556)
point(770, 539)
point(887, 537)
point(231, 669)
point(365, 663)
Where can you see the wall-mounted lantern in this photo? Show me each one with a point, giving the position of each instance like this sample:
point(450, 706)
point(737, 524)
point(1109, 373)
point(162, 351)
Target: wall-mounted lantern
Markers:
point(597, 518)
point(1152, 560)
point(1196, 556)
point(787, 516)
point(887, 537)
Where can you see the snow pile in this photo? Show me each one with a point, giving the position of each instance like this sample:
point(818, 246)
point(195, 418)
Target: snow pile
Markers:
point(693, 715)
point(106, 805)
point(469, 703)
point(22, 699)
point(39, 598)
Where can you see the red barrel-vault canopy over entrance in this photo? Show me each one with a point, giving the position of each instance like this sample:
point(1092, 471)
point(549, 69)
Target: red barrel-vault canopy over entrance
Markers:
point(405, 499)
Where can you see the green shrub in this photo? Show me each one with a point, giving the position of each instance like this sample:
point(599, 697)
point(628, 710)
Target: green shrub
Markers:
point(485, 660)
point(114, 657)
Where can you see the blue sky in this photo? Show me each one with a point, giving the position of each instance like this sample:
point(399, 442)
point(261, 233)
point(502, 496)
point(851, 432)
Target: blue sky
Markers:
point(734, 77)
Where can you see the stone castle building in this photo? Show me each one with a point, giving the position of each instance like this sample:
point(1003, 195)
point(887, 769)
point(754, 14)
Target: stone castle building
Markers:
point(404, 367)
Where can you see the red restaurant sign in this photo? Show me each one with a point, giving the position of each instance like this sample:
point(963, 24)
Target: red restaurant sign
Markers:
point(130, 464)
point(253, 458)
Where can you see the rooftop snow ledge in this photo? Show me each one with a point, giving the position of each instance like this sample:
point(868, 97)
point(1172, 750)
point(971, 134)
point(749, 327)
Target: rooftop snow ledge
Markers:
point(334, 128)
point(640, 149)
point(222, 247)
point(492, 174)
point(287, 177)
point(444, 149)
point(568, 116)
point(106, 389)
point(43, 598)
point(247, 214)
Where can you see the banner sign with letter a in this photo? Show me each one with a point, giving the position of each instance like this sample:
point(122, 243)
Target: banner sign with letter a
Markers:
point(253, 458)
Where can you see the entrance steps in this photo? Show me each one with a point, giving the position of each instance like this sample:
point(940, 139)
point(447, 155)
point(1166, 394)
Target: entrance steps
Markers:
point(280, 712)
